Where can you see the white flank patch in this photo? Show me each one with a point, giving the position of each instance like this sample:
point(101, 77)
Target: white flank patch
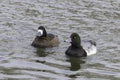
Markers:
point(89, 48)
point(92, 50)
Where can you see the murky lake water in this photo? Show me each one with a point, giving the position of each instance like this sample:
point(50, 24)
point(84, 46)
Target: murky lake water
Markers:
point(98, 20)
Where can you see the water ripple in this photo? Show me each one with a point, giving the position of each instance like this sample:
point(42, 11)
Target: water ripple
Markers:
point(92, 19)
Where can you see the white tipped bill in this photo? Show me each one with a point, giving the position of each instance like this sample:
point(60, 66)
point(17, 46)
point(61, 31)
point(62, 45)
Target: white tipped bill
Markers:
point(68, 41)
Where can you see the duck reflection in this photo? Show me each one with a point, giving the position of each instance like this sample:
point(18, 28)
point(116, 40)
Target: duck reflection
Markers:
point(41, 52)
point(75, 63)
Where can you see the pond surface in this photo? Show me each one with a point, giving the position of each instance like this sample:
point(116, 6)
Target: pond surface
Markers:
point(98, 20)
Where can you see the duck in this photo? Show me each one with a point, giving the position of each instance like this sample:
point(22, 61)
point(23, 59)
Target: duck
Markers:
point(80, 48)
point(44, 39)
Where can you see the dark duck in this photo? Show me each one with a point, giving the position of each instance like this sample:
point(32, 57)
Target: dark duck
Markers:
point(80, 49)
point(44, 40)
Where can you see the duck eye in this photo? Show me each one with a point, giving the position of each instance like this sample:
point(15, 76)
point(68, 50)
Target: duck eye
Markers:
point(74, 37)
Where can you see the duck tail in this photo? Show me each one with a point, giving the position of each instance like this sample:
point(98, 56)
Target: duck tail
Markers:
point(93, 42)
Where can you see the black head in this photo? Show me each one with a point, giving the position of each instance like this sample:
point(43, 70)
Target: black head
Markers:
point(43, 33)
point(75, 40)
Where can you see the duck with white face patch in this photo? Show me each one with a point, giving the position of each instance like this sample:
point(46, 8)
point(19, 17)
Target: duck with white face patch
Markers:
point(44, 40)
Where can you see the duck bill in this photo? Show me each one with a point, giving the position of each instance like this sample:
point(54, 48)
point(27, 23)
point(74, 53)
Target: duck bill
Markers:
point(68, 41)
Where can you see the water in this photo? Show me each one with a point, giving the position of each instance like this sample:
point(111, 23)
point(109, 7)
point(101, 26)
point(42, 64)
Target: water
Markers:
point(98, 20)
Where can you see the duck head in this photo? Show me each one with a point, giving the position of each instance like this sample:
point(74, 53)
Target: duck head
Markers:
point(41, 32)
point(75, 40)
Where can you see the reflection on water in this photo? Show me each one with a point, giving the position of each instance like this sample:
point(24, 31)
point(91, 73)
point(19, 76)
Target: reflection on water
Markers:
point(91, 19)
point(41, 52)
point(75, 63)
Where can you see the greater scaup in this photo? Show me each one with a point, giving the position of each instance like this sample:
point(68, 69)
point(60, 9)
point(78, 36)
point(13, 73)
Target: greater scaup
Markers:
point(80, 49)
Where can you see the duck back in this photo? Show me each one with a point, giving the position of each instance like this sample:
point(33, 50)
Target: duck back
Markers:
point(49, 41)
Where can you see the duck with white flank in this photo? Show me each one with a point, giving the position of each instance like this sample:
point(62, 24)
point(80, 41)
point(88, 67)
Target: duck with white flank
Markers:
point(80, 49)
